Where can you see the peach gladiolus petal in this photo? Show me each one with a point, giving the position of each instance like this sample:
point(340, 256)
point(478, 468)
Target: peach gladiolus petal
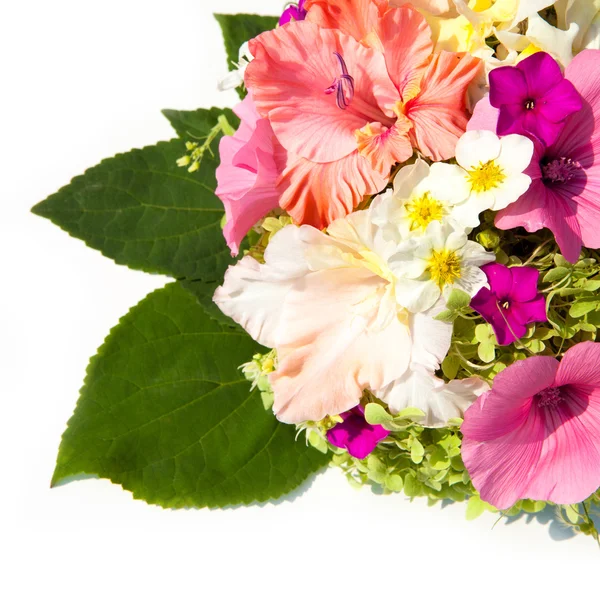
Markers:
point(357, 18)
point(384, 146)
point(319, 193)
point(329, 355)
point(326, 322)
point(290, 80)
point(439, 113)
point(406, 43)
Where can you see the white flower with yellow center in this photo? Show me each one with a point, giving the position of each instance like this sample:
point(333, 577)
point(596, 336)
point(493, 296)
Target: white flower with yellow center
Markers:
point(423, 194)
point(430, 267)
point(494, 171)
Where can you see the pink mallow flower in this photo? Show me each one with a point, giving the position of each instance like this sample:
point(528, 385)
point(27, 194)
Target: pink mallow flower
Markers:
point(355, 435)
point(293, 13)
point(251, 162)
point(536, 433)
point(511, 302)
point(533, 98)
point(564, 195)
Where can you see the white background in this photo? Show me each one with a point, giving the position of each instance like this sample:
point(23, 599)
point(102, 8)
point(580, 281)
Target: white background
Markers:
point(83, 80)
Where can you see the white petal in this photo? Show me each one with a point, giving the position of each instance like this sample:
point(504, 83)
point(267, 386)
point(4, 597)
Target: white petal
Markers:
point(417, 296)
point(472, 279)
point(231, 81)
point(515, 154)
point(408, 178)
point(430, 338)
point(474, 254)
point(476, 147)
point(253, 294)
point(447, 183)
point(467, 213)
point(439, 401)
point(511, 190)
point(556, 42)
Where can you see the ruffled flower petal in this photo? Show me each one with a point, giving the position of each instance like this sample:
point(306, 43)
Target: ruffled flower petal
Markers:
point(439, 112)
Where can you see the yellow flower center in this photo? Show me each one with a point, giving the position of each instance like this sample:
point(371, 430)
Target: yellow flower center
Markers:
point(444, 267)
point(486, 177)
point(423, 211)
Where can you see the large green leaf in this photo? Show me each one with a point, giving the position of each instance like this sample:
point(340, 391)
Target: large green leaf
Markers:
point(142, 210)
point(166, 413)
point(194, 124)
point(238, 29)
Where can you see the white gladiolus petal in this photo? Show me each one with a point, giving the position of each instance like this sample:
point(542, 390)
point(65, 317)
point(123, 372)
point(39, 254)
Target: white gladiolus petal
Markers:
point(440, 401)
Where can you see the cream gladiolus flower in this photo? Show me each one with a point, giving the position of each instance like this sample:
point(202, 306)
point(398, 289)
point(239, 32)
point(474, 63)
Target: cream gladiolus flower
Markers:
point(430, 267)
point(494, 170)
point(328, 304)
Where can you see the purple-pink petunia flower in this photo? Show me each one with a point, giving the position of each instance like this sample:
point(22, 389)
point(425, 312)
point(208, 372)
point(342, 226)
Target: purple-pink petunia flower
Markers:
point(533, 97)
point(564, 195)
point(536, 433)
point(355, 435)
point(511, 302)
point(293, 13)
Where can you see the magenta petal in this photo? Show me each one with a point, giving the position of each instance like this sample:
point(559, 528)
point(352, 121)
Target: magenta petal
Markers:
point(355, 435)
point(293, 13)
point(524, 283)
point(507, 86)
point(533, 311)
point(511, 119)
point(533, 123)
point(541, 72)
point(500, 279)
point(561, 102)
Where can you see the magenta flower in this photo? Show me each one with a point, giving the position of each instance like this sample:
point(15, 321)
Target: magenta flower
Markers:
point(293, 13)
point(355, 435)
point(536, 433)
point(533, 98)
point(564, 195)
point(511, 302)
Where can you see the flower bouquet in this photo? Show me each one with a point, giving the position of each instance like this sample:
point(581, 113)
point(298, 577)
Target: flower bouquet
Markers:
point(385, 260)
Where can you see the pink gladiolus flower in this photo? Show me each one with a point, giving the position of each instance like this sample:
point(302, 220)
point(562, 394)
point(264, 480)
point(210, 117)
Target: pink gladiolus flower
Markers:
point(564, 195)
point(511, 302)
point(293, 13)
point(355, 435)
point(533, 97)
point(349, 92)
point(251, 162)
point(536, 433)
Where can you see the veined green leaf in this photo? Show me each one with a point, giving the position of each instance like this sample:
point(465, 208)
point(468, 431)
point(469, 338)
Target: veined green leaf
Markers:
point(143, 211)
point(195, 124)
point(166, 413)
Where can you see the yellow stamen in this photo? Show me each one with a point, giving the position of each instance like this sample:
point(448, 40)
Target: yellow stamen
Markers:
point(486, 177)
point(444, 267)
point(422, 211)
